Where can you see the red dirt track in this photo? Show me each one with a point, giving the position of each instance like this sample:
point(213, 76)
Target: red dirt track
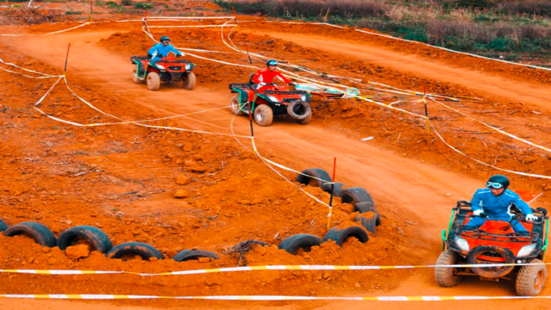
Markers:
point(122, 178)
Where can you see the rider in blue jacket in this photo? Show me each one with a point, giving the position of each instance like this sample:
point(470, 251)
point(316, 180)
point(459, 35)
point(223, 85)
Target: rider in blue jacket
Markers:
point(160, 50)
point(496, 202)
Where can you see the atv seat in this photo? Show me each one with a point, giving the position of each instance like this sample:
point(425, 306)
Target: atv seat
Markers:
point(501, 226)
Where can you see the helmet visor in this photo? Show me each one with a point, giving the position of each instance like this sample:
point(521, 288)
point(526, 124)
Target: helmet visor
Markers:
point(494, 185)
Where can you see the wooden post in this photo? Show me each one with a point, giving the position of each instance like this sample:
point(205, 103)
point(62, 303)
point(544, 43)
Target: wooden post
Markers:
point(426, 109)
point(66, 59)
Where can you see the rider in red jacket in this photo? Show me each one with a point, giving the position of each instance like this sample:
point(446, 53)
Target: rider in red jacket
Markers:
point(267, 75)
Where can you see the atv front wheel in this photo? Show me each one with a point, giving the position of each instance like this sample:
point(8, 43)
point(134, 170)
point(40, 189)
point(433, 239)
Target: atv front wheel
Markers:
point(135, 78)
point(530, 279)
point(189, 81)
point(234, 106)
point(263, 115)
point(153, 81)
point(445, 276)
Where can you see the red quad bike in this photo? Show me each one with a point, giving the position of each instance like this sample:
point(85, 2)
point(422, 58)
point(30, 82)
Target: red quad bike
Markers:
point(495, 243)
point(166, 70)
point(269, 101)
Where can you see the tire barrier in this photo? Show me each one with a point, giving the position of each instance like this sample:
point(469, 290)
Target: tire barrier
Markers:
point(300, 241)
point(3, 226)
point(368, 206)
point(40, 233)
point(369, 221)
point(186, 255)
point(144, 250)
point(341, 235)
point(314, 177)
point(337, 188)
point(93, 236)
point(354, 195)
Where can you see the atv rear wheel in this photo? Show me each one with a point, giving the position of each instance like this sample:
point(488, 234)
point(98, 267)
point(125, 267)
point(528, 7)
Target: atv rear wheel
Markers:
point(153, 81)
point(234, 106)
point(135, 79)
point(189, 81)
point(263, 115)
point(530, 279)
point(445, 276)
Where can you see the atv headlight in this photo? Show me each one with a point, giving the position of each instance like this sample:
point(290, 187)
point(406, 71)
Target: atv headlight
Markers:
point(527, 250)
point(273, 99)
point(304, 98)
point(159, 67)
point(461, 243)
point(188, 67)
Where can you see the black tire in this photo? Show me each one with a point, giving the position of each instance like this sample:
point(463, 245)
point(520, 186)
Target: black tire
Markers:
point(340, 235)
point(263, 115)
point(313, 177)
point(530, 279)
point(40, 233)
point(491, 272)
point(144, 250)
point(300, 241)
point(3, 225)
point(337, 188)
point(193, 255)
point(234, 106)
point(153, 81)
point(135, 79)
point(190, 81)
point(354, 195)
point(299, 109)
point(445, 276)
point(305, 120)
point(368, 206)
point(368, 221)
point(96, 238)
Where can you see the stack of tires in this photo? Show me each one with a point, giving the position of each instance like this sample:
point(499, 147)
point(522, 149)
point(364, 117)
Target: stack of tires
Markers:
point(357, 196)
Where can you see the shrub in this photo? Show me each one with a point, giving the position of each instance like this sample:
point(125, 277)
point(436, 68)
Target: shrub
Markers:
point(112, 4)
point(143, 5)
point(126, 2)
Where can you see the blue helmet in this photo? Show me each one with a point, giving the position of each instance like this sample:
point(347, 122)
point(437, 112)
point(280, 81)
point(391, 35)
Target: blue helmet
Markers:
point(498, 181)
point(272, 62)
point(165, 38)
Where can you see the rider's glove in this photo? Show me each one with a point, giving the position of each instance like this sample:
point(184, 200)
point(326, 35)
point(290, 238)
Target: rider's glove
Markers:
point(478, 212)
point(531, 217)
